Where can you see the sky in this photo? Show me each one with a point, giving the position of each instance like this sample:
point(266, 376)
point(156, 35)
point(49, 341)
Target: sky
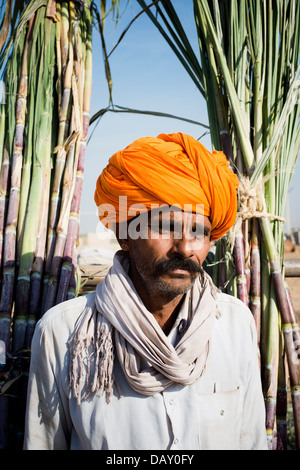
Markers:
point(146, 75)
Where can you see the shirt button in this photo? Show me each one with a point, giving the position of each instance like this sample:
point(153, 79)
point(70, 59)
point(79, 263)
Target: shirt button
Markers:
point(176, 441)
point(171, 401)
point(182, 326)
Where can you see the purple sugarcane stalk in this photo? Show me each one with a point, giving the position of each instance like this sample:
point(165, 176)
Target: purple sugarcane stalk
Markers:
point(292, 356)
point(295, 326)
point(37, 266)
point(9, 254)
point(239, 258)
point(72, 229)
point(222, 268)
point(255, 286)
point(4, 179)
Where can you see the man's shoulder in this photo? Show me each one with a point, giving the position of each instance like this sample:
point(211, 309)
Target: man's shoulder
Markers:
point(234, 302)
point(233, 309)
point(63, 316)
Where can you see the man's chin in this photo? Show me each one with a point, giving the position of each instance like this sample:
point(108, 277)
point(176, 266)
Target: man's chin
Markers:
point(176, 284)
point(179, 275)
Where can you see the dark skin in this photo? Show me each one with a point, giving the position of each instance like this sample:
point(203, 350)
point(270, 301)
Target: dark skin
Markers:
point(164, 268)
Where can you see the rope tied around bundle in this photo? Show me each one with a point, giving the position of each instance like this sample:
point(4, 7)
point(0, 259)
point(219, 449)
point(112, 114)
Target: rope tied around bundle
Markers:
point(250, 206)
point(250, 197)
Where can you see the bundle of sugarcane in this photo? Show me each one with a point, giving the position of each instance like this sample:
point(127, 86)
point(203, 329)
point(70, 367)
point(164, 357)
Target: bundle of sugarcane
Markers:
point(248, 73)
point(44, 123)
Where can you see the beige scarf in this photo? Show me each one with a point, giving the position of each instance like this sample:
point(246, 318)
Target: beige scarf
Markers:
point(119, 322)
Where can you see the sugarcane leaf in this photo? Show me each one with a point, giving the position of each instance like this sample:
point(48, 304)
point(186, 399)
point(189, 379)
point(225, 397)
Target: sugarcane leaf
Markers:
point(8, 384)
point(183, 59)
point(291, 101)
point(6, 23)
point(26, 14)
point(121, 109)
point(103, 9)
point(235, 107)
point(100, 21)
point(129, 26)
point(179, 36)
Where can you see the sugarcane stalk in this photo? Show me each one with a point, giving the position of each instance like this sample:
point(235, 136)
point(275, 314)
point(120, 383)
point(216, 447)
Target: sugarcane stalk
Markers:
point(255, 287)
point(239, 259)
point(295, 326)
point(62, 226)
point(4, 422)
point(245, 231)
point(33, 60)
point(240, 69)
point(4, 189)
point(28, 217)
point(211, 104)
point(255, 27)
point(263, 76)
point(222, 267)
point(73, 221)
point(217, 260)
point(9, 255)
point(287, 328)
point(231, 283)
point(271, 368)
point(65, 26)
point(38, 263)
point(248, 156)
point(73, 288)
point(9, 209)
point(65, 83)
point(231, 92)
point(220, 138)
point(56, 271)
point(2, 129)
point(281, 409)
point(65, 66)
point(51, 10)
point(75, 205)
point(42, 155)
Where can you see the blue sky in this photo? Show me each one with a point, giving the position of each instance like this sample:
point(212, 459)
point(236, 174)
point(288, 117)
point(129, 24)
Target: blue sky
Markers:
point(146, 75)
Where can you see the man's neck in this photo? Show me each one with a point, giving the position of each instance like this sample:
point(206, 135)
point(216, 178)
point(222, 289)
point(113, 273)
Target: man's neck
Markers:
point(167, 315)
point(163, 308)
point(166, 320)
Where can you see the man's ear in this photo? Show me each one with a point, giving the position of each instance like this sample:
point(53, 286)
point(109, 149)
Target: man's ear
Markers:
point(121, 232)
point(124, 244)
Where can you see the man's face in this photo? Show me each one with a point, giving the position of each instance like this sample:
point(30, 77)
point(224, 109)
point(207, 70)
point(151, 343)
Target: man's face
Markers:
point(167, 255)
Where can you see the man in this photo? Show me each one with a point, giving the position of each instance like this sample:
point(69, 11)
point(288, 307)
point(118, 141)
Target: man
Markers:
point(156, 358)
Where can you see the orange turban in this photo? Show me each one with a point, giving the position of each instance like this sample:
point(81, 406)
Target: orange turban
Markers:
point(171, 169)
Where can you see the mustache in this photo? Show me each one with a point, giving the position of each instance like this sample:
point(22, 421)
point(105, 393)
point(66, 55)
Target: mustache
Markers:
point(177, 263)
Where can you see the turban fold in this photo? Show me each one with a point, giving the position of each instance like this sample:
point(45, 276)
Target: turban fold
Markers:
point(173, 169)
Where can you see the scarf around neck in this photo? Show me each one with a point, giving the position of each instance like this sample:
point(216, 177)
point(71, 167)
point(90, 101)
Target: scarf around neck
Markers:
point(120, 323)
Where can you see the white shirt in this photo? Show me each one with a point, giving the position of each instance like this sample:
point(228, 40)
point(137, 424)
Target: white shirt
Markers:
point(224, 409)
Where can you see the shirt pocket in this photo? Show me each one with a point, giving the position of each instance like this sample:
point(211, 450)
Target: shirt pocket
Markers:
point(219, 415)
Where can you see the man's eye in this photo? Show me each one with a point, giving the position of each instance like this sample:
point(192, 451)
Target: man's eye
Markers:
point(197, 236)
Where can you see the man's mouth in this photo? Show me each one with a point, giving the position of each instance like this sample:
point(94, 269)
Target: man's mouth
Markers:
point(180, 271)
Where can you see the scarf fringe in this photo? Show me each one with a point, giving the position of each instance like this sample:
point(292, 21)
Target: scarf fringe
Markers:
point(89, 353)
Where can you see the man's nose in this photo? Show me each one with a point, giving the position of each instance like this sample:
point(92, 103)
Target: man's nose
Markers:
point(183, 247)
